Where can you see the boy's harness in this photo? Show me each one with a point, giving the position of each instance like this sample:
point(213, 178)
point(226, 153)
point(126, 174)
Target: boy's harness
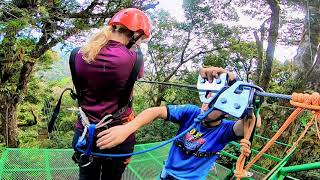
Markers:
point(197, 153)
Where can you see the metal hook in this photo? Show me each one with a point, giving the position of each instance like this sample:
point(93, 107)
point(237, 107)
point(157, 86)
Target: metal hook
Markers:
point(85, 158)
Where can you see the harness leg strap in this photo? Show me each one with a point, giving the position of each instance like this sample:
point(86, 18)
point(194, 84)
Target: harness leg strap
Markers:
point(91, 130)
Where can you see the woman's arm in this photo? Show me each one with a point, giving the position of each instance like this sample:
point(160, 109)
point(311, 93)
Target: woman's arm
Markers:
point(116, 135)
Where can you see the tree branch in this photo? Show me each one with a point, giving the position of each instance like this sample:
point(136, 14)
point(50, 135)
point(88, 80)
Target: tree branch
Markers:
point(194, 56)
point(205, 52)
point(186, 45)
point(42, 46)
point(315, 62)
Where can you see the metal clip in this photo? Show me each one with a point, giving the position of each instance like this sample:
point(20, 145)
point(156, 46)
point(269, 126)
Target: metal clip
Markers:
point(236, 100)
point(204, 87)
point(85, 160)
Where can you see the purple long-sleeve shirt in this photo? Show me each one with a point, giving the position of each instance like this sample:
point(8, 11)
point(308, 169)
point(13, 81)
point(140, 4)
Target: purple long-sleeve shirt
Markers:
point(102, 81)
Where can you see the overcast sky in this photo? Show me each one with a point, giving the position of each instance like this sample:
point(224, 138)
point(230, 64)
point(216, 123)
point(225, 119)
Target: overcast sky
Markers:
point(282, 53)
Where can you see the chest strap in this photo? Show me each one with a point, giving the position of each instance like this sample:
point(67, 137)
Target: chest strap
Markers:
point(197, 153)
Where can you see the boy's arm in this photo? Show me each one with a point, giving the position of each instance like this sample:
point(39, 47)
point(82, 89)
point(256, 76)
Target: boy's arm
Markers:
point(117, 134)
point(238, 128)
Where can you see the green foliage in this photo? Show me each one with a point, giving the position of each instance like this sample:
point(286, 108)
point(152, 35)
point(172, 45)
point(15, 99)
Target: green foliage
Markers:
point(281, 78)
point(36, 135)
point(239, 57)
point(59, 139)
point(219, 59)
point(180, 95)
point(158, 131)
point(176, 46)
point(46, 60)
point(29, 138)
point(140, 102)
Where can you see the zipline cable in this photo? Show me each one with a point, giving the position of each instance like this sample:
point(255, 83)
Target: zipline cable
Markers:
point(258, 93)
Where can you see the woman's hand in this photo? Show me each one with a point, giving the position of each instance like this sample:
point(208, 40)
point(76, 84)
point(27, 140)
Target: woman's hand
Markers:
point(113, 136)
point(213, 72)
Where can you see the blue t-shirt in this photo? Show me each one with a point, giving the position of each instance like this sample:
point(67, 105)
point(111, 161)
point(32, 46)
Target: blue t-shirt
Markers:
point(192, 156)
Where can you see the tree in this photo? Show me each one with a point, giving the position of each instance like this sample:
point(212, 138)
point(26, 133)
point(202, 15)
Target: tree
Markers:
point(239, 58)
point(28, 30)
point(177, 46)
point(272, 40)
point(307, 67)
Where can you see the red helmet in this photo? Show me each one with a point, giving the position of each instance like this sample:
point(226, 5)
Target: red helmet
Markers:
point(133, 19)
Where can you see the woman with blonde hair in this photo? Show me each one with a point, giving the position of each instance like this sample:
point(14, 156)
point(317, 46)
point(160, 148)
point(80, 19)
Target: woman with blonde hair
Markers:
point(102, 68)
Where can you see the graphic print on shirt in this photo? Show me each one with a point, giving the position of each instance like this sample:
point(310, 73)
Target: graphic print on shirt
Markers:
point(191, 142)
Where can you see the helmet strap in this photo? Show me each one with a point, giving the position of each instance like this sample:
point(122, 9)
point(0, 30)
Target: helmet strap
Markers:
point(133, 41)
point(207, 121)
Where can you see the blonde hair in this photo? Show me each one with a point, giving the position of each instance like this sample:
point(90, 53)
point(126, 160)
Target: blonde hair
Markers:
point(100, 39)
point(91, 49)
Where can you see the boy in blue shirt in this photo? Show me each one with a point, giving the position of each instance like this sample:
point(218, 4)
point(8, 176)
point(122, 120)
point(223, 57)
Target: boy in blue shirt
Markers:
point(191, 156)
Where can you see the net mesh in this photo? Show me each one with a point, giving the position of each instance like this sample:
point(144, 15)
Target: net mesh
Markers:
point(56, 164)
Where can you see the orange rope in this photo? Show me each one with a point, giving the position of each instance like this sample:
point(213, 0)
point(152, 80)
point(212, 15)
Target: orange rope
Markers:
point(301, 101)
point(317, 127)
point(249, 124)
point(312, 121)
point(290, 119)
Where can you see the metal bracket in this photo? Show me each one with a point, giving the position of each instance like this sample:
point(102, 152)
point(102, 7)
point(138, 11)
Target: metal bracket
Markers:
point(236, 100)
point(204, 87)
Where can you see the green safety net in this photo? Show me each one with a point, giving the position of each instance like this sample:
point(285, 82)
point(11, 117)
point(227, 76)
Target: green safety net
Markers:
point(40, 164)
point(56, 164)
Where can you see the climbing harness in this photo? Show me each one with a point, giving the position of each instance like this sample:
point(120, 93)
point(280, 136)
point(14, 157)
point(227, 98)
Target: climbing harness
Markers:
point(124, 102)
point(125, 98)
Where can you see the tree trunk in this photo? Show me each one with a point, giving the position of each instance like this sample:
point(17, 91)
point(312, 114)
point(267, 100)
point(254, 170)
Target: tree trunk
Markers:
point(9, 121)
point(9, 101)
point(272, 40)
point(160, 94)
point(308, 68)
point(259, 43)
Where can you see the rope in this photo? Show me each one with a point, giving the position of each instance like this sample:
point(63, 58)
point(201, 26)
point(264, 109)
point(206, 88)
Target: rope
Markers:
point(314, 120)
point(301, 102)
point(143, 151)
point(245, 143)
point(291, 118)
